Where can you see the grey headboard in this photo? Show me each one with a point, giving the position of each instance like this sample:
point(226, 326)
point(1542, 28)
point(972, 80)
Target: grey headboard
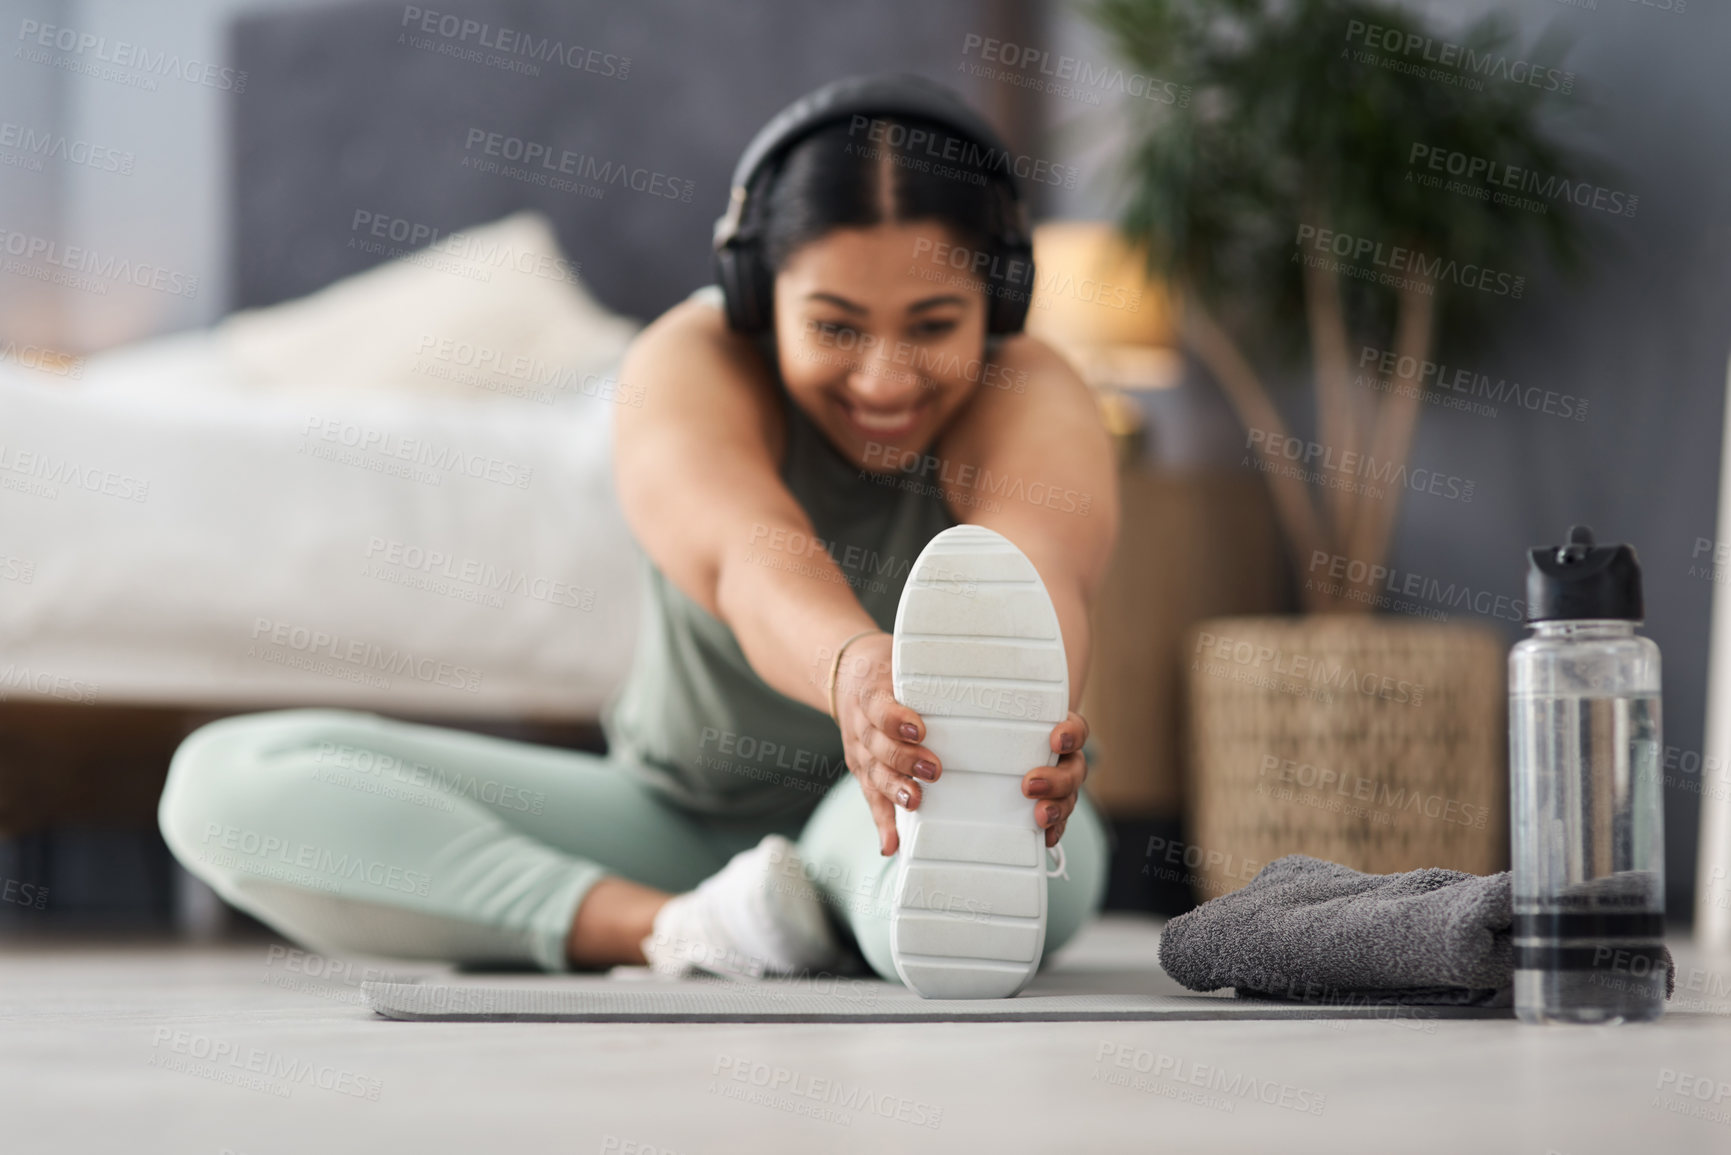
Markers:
point(355, 107)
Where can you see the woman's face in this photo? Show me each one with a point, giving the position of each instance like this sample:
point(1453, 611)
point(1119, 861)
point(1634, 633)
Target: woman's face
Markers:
point(880, 340)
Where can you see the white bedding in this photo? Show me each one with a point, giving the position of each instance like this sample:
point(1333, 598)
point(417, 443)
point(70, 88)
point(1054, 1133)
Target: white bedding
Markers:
point(166, 537)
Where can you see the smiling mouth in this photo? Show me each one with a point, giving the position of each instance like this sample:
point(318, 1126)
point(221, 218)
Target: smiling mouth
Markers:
point(884, 423)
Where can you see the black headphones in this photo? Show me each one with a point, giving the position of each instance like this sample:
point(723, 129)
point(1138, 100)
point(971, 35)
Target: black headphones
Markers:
point(744, 275)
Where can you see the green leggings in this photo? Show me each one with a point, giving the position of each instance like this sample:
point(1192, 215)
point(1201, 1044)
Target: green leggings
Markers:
point(349, 832)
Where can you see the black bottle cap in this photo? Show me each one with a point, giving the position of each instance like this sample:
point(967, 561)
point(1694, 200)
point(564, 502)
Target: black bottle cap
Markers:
point(1583, 580)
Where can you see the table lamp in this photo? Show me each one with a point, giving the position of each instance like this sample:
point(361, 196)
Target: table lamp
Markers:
point(1095, 302)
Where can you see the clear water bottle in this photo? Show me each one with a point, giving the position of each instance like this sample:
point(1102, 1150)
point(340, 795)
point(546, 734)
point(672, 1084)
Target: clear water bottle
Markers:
point(1586, 821)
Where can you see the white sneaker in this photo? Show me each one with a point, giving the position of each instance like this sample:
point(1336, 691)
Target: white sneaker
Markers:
point(979, 656)
point(758, 915)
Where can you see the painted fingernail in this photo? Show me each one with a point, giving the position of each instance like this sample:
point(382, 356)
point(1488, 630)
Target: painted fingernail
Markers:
point(1039, 786)
point(1067, 743)
point(903, 796)
point(910, 731)
point(1052, 813)
point(926, 770)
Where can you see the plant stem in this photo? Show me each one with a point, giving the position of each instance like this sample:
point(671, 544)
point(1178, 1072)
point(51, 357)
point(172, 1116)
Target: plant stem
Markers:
point(1396, 419)
point(1337, 427)
point(1250, 400)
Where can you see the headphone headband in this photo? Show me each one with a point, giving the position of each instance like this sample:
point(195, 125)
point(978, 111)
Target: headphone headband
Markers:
point(880, 95)
point(740, 267)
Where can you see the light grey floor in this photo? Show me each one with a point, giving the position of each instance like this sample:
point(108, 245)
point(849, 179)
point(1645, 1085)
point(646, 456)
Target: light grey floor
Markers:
point(149, 1047)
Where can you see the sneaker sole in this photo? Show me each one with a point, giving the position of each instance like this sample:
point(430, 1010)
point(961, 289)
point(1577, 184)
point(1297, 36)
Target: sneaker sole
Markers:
point(979, 656)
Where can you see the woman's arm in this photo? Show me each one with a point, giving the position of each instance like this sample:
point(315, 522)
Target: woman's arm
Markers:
point(699, 485)
point(1038, 466)
point(697, 477)
point(1030, 459)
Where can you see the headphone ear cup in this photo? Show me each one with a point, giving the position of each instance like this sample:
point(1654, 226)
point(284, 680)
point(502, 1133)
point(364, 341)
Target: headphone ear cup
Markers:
point(1012, 295)
point(745, 286)
point(727, 276)
point(759, 286)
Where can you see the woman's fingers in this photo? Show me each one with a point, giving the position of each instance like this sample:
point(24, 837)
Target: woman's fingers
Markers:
point(894, 719)
point(883, 785)
point(896, 788)
point(884, 817)
point(1054, 790)
point(881, 737)
point(1068, 735)
point(1054, 787)
point(1056, 782)
point(904, 758)
point(890, 764)
point(874, 783)
point(877, 761)
point(893, 760)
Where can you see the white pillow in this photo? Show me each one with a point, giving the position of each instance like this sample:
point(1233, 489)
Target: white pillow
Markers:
point(493, 312)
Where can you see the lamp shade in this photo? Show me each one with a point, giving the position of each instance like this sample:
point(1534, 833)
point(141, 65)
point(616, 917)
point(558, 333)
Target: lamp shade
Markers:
point(1091, 287)
point(1095, 303)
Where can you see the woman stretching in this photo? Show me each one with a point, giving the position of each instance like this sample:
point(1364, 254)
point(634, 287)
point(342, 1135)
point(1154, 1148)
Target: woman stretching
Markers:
point(854, 387)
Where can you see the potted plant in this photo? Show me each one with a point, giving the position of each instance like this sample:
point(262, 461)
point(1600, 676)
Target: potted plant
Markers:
point(1335, 193)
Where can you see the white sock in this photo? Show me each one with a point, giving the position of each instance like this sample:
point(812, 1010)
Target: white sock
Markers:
point(759, 915)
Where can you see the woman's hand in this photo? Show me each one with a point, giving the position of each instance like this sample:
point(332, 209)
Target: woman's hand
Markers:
point(1056, 787)
point(880, 736)
point(881, 740)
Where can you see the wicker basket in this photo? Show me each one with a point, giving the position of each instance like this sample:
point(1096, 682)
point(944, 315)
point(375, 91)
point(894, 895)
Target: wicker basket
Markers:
point(1370, 741)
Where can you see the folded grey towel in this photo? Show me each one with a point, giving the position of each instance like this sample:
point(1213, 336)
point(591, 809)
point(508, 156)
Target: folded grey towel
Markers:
point(1315, 931)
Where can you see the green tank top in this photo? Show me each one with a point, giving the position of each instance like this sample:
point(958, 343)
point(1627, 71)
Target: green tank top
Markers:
point(693, 719)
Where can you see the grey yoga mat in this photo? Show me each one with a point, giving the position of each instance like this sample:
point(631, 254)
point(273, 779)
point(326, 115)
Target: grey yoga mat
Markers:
point(598, 999)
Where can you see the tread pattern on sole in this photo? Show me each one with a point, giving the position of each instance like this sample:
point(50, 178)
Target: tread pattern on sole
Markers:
point(986, 745)
point(971, 842)
point(979, 655)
